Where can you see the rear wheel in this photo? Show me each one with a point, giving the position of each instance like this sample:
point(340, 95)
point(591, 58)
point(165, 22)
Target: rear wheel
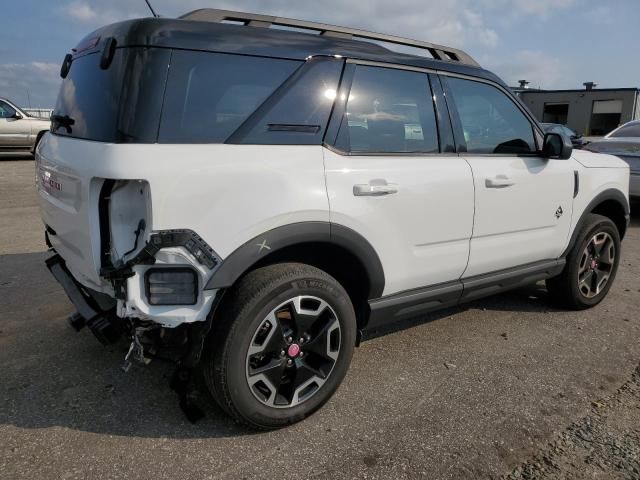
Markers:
point(591, 267)
point(281, 346)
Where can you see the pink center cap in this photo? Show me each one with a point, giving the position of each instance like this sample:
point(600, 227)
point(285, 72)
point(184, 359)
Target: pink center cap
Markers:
point(594, 264)
point(293, 350)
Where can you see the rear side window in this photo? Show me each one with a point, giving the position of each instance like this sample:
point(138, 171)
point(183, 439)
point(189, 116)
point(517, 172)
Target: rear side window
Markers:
point(209, 95)
point(491, 122)
point(632, 130)
point(388, 111)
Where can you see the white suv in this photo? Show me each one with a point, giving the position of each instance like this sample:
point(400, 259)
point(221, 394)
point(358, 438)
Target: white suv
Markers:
point(256, 201)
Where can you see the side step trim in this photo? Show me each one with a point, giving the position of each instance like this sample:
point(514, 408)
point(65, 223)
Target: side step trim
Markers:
point(389, 310)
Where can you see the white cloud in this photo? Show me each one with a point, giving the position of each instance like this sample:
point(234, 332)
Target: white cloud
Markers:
point(97, 13)
point(81, 11)
point(539, 68)
point(601, 15)
point(30, 84)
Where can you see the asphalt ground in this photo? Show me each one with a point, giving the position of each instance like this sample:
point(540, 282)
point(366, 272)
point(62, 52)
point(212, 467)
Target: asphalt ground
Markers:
point(504, 387)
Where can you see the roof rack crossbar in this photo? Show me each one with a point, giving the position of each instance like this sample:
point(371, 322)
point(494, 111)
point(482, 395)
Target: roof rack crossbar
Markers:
point(439, 52)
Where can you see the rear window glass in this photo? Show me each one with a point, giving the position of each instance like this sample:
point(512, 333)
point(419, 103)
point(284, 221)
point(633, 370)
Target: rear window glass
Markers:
point(209, 95)
point(89, 96)
point(120, 104)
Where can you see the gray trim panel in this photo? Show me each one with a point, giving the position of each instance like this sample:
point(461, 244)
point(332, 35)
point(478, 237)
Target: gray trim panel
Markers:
point(393, 309)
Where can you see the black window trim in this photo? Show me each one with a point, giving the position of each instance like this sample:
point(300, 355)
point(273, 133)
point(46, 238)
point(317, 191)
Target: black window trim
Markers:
point(337, 115)
point(538, 134)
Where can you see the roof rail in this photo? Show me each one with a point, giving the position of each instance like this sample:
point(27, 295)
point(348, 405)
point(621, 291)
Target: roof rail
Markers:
point(439, 52)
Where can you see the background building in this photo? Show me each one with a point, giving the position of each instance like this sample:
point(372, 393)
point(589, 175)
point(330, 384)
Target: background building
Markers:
point(592, 111)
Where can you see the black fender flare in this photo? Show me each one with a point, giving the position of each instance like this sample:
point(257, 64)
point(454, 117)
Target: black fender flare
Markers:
point(251, 252)
point(609, 194)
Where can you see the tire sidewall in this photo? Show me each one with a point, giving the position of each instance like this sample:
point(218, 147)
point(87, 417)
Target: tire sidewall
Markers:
point(238, 343)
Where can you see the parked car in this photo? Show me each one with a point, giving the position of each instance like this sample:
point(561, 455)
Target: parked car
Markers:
point(624, 142)
point(577, 140)
point(255, 201)
point(19, 132)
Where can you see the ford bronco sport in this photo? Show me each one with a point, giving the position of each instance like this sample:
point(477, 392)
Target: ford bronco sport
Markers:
point(253, 196)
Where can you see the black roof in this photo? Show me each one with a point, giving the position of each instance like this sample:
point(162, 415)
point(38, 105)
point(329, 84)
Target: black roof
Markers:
point(267, 42)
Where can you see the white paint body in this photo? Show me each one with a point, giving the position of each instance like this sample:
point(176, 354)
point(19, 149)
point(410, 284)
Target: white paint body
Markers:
point(442, 224)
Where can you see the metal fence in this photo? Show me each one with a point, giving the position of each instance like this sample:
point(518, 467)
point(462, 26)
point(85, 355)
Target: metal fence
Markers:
point(39, 112)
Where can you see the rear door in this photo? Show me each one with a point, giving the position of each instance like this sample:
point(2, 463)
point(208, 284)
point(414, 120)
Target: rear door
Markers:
point(392, 175)
point(14, 132)
point(523, 200)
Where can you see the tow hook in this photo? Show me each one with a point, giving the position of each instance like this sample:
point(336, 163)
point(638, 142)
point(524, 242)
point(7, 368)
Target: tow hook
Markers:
point(136, 351)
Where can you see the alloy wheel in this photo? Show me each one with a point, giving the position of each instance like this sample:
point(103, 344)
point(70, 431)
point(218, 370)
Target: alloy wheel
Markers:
point(596, 264)
point(293, 352)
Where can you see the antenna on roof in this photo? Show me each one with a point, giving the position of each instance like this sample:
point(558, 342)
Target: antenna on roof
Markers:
point(153, 12)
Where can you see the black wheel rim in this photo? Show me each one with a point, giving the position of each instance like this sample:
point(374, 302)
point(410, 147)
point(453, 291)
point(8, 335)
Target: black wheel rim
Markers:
point(596, 264)
point(293, 352)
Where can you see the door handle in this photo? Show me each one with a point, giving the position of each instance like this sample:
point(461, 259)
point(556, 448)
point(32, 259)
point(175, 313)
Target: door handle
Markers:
point(375, 188)
point(499, 181)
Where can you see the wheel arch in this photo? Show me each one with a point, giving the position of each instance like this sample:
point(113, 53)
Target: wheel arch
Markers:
point(39, 136)
point(610, 203)
point(340, 251)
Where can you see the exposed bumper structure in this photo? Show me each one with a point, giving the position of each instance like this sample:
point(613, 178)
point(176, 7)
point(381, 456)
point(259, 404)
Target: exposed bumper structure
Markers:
point(142, 286)
point(90, 310)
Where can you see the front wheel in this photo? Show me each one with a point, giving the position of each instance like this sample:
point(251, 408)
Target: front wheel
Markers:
point(281, 345)
point(591, 266)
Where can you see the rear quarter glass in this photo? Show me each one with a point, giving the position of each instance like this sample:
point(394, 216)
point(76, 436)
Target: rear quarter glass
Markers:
point(209, 95)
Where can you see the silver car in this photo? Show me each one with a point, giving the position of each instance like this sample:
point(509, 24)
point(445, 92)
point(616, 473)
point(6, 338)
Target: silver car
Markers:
point(19, 132)
point(623, 142)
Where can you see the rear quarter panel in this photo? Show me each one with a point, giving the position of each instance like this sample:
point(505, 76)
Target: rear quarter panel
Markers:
point(228, 194)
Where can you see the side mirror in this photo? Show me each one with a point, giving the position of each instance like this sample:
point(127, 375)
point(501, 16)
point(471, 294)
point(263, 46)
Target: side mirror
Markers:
point(557, 146)
point(17, 115)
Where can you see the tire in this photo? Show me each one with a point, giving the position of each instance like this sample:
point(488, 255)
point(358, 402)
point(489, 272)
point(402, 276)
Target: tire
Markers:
point(591, 266)
point(289, 323)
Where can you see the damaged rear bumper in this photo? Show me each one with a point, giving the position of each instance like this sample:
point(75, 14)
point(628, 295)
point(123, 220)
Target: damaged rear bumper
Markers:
point(134, 294)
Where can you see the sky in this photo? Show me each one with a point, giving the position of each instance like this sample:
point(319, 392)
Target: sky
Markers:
point(552, 43)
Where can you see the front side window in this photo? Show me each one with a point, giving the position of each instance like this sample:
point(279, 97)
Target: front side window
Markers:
point(388, 111)
point(209, 95)
point(6, 111)
point(491, 122)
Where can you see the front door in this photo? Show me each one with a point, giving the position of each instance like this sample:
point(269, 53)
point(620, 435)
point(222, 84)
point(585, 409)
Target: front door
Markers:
point(523, 200)
point(388, 180)
point(14, 132)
